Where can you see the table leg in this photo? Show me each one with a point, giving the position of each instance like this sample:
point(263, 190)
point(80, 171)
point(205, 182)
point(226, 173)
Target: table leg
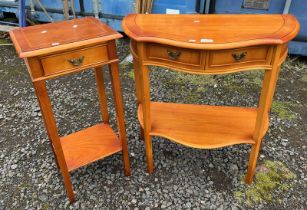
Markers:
point(136, 66)
point(265, 101)
point(263, 112)
point(102, 94)
point(114, 72)
point(145, 88)
point(46, 109)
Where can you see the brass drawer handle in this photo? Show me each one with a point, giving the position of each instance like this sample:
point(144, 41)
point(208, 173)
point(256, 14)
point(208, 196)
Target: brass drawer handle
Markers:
point(76, 61)
point(239, 56)
point(174, 55)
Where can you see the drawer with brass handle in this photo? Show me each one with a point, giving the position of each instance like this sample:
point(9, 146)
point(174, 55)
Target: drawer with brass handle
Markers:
point(67, 61)
point(170, 54)
point(76, 61)
point(239, 56)
point(258, 56)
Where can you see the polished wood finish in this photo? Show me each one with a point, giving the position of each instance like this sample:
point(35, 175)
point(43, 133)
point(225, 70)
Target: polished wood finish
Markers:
point(71, 60)
point(65, 35)
point(119, 108)
point(144, 75)
point(264, 107)
point(173, 54)
point(96, 142)
point(211, 31)
point(83, 43)
point(208, 61)
point(102, 94)
point(208, 44)
point(49, 120)
point(259, 55)
point(202, 126)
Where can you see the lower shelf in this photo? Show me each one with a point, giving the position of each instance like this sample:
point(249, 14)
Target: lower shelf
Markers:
point(89, 145)
point(202, 126)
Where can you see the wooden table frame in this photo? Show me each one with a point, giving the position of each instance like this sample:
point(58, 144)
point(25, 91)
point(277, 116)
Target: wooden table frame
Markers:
point(43, 62)
point(141, 72)
point(152, 47)
point(50, 123)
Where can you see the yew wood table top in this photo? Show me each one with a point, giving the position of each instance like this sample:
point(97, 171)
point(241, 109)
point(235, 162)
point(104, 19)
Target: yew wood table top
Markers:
point(37, 40)
point(211, 31)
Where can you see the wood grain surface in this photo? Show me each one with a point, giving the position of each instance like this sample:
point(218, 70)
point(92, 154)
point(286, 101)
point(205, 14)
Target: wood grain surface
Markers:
point(203, 126)
point(53, 37)
point(57, 49)
point(208, 44)
point(211, 31)
point(59, 62)
point(88, 145)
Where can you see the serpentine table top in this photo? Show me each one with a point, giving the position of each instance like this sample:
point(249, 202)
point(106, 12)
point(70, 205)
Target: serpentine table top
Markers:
point(211, 31)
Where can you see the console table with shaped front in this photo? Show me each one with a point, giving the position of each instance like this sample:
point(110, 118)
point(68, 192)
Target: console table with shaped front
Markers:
point(208, 44)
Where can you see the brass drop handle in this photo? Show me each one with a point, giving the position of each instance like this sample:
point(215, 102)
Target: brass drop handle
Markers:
point(76, 61)
point(239, 56)
point(174, 55)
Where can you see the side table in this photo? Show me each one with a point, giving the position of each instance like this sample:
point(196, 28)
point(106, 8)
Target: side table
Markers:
point(56, 49)
point(208, 44)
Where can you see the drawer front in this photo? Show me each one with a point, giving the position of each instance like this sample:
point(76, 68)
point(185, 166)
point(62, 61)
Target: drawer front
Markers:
point(173, 55)
point(260, 55)
point(71, 60)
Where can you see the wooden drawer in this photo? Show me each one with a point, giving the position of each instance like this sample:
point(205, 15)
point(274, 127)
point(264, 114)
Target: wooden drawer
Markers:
point(71, 60)
point(259, 55)
point(173, 55)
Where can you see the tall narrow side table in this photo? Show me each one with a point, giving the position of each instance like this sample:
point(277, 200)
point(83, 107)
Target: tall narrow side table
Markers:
point(56, 49)
point(208, 44)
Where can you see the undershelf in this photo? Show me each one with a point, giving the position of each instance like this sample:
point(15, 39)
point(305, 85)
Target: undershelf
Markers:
point(89, 145)
point(202, 126)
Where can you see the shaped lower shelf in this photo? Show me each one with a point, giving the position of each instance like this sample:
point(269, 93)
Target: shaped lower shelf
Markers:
point(88, 145)
point(202, 126)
